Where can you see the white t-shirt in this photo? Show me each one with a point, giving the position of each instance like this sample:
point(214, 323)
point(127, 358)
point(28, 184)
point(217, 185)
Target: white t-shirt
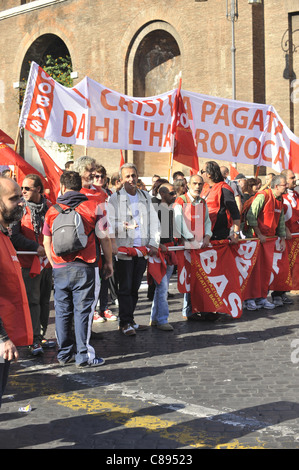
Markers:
point(136, 217)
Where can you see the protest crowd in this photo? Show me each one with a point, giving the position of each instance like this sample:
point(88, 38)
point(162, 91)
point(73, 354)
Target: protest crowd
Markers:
point(102, 235)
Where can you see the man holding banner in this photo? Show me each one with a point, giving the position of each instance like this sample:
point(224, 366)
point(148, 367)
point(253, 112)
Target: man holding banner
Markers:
point(37, 272)
point(265, 218)
point(220, 199)
point(134, 223)
point(193, 224)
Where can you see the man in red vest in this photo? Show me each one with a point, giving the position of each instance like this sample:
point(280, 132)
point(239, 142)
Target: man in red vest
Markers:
point(13, 300)
point(27, 236)
point(193, 225)
point(220, 199)
point(265, 218)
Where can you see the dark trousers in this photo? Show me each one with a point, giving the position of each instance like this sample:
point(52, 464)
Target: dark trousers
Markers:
point(129, 273)
point(38, 290)
point(4, 369)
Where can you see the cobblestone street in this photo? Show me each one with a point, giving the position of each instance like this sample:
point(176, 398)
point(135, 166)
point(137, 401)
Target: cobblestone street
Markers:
point(230, 384)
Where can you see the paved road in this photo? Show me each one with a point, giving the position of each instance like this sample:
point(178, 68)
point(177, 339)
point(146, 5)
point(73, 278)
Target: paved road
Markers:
point(231, 384)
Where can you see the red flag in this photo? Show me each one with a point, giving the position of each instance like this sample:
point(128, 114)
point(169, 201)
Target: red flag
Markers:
point(5, 139)
point(122, 161)
point(157, 267)
point(184, 270)
point(14, 307)
point(294, 157)
point(233, 172)
point(53, 172)
point(9, 157)
point(184, 150)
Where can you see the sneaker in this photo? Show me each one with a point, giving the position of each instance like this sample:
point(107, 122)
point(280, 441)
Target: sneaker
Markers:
point(264, 303)
point(108, 315)
point(97, 361)
point(97, 318)
point(36, 349)
point(128, 330)
point(48, 343)
point(286, 300)
point(165, 327)
point(66, 361)
point(278, 302)
point(139, 327)
point(250, 305)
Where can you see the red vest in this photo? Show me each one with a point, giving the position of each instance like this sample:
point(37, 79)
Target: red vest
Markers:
point(95, 193)
point(268, 218)
point(88, 211)
point(194, 215)
point(291, 211)
point(212, 196)
point(28, 232)
point(14, 309)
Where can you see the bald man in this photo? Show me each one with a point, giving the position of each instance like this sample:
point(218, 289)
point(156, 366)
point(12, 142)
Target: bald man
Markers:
point(10, 211)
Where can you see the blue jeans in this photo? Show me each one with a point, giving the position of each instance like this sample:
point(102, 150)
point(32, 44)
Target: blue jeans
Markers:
point(187, 307)
point(160, 309)
point(76, 290)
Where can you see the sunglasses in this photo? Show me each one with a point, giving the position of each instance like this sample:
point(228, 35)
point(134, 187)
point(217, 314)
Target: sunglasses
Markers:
point(25, 188)
point(99, 176)
point(172, 193)
point(202, 172)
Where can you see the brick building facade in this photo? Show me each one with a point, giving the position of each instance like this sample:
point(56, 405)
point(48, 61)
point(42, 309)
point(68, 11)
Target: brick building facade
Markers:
point(143, 47)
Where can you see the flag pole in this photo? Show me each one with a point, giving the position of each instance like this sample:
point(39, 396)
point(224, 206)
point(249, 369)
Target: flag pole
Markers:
point(172, 145)
point(17, 140)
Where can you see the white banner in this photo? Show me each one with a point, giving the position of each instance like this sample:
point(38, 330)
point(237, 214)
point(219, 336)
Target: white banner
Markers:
point(94, 116)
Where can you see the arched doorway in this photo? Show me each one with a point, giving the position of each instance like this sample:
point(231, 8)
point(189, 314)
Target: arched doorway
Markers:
point(153, 66)
point(45, 47)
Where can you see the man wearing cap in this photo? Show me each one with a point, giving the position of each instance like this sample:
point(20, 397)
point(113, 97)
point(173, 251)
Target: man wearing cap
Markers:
point(238, 187)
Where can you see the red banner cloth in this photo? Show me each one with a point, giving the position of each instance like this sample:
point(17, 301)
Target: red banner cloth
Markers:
point(246, 254)
point(293, 251)
point(259, 281)
point(281, 278)
point(215, 280)
point(14, 308)
point(156, 264)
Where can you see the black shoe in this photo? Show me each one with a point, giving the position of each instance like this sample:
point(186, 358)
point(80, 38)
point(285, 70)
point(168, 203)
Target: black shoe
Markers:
point(195, 317)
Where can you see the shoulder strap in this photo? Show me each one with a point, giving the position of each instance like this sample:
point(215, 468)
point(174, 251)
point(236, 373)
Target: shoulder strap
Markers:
point(59, 208)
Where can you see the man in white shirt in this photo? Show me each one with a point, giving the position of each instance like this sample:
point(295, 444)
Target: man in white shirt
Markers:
point(133, 223)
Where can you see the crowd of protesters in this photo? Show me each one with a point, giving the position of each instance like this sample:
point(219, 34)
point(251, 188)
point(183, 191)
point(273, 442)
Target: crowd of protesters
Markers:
point(121, 215)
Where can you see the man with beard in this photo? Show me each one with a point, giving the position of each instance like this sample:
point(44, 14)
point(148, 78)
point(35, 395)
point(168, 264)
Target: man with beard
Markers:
point(10, 211)
point(27, 236)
